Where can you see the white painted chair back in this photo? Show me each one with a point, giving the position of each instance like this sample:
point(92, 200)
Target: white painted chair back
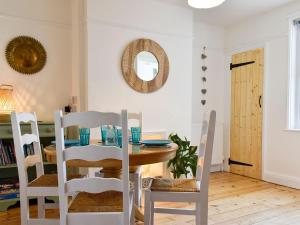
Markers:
point(205, 151)
point(138, 117)
point(91, 153)
point(136, 176)
point(26, 139)
point(201, 150)
point(199, 197)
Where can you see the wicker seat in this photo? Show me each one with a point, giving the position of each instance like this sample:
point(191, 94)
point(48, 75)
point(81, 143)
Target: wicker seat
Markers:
point(110, 201)
point(48, 180)
point(180, 185)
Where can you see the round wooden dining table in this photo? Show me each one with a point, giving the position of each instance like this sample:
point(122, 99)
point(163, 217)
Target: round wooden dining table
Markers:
point(138, 155)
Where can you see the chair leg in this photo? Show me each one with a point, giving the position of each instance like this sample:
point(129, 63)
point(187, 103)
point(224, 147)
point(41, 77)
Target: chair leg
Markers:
point(24, 209)
point(137, 189)
point(132, 216)
point(201, 213)
point(152, 212)
point(41, 207)
point(147, 205)
point(141, 188)
point(63, 210)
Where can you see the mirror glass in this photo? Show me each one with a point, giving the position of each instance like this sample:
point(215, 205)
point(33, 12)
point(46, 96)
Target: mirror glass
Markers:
point(146, 66)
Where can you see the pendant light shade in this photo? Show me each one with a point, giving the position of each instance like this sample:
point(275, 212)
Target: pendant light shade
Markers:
point(204, 4)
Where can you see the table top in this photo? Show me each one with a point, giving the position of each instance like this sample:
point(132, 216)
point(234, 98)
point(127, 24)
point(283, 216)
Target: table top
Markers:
point(138, 155)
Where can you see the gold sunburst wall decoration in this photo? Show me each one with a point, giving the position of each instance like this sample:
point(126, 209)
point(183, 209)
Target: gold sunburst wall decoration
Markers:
point(26, 55)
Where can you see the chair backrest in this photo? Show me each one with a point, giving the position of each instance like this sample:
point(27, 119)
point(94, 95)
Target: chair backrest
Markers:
point(205, 151)
point(25, 161)
point(91, 153)
point(138, 117)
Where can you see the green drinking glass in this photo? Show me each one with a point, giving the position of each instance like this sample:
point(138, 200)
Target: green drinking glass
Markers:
point(84, 134)
point(136, 135)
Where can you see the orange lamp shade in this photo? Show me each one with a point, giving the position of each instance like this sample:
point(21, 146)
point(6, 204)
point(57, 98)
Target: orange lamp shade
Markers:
point(7, 102)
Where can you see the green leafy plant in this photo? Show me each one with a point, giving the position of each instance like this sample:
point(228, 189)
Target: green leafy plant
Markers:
point(186, 157)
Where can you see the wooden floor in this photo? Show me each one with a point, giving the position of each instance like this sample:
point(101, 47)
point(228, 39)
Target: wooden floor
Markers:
point(233, 200)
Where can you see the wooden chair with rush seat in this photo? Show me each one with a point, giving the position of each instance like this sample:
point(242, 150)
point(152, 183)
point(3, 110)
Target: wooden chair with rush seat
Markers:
point(44, 184)
point(185, 190)
point(101, 201)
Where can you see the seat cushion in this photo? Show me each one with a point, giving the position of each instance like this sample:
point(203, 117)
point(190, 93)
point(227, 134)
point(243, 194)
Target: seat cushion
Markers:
point(109, 201)
point(48, 180)
point(178, 185)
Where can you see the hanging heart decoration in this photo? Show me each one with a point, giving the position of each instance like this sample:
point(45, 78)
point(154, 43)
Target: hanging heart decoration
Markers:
point(204, 69)
point(203, 56)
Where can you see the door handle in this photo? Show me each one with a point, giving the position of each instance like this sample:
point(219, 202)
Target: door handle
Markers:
point(259, 101)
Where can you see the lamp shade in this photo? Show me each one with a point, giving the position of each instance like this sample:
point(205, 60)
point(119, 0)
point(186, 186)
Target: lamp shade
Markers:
point(6, 99)
point(204, 4)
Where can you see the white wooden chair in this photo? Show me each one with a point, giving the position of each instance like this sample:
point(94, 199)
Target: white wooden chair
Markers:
point(185, 190)
point(136, 176)
point(101, 201)
point(45, 184)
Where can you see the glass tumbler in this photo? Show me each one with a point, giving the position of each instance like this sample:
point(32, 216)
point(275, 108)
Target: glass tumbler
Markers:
point(136, 135)
point(111, 136)
point(119, 137)
point(84, 134)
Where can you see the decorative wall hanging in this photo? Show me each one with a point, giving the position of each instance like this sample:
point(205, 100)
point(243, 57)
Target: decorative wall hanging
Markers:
point(204, 79)
point(26, 55)
point(145, 65)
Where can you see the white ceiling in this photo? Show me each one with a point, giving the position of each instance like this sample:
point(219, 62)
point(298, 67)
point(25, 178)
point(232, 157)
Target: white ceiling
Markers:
point(233, 11)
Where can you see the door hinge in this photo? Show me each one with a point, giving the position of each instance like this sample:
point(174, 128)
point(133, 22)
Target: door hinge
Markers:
point(238, 163)
point(232, 66)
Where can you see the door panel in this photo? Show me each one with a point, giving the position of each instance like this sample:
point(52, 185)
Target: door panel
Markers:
point(246, 113)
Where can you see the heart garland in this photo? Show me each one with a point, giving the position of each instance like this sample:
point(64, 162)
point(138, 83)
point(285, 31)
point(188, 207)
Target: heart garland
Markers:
point(204, 69)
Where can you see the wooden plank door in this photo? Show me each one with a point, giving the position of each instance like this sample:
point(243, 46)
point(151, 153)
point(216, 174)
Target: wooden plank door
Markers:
point(247, 70)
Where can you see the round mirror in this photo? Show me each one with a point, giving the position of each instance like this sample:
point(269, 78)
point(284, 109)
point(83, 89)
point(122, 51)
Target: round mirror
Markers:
point(146, 66)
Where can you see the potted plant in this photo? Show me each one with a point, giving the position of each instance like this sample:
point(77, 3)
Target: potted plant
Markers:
point(186, 158)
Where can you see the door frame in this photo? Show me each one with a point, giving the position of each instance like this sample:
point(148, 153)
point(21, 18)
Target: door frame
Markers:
point(228, 60)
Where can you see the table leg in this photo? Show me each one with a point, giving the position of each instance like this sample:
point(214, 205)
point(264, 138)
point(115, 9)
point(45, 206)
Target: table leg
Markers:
point(139, 215)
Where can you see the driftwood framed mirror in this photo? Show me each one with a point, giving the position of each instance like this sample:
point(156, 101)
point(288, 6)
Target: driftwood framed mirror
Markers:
point(145, 65)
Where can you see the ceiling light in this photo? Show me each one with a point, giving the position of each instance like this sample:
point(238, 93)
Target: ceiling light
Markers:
point(204, 4)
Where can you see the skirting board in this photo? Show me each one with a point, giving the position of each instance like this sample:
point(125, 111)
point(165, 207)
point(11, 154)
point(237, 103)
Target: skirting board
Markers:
point(289, 181)
point(216, 168)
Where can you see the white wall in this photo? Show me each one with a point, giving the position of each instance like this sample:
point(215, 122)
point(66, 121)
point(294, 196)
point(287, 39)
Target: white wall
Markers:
point(49, 21)
point(111, 26)
point(213, 38)
point(281, 148)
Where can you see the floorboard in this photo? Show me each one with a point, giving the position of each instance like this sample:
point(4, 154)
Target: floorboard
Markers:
point(233, 200)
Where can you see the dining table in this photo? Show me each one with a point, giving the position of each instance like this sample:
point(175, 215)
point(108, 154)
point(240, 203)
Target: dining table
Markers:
point(138, 155)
